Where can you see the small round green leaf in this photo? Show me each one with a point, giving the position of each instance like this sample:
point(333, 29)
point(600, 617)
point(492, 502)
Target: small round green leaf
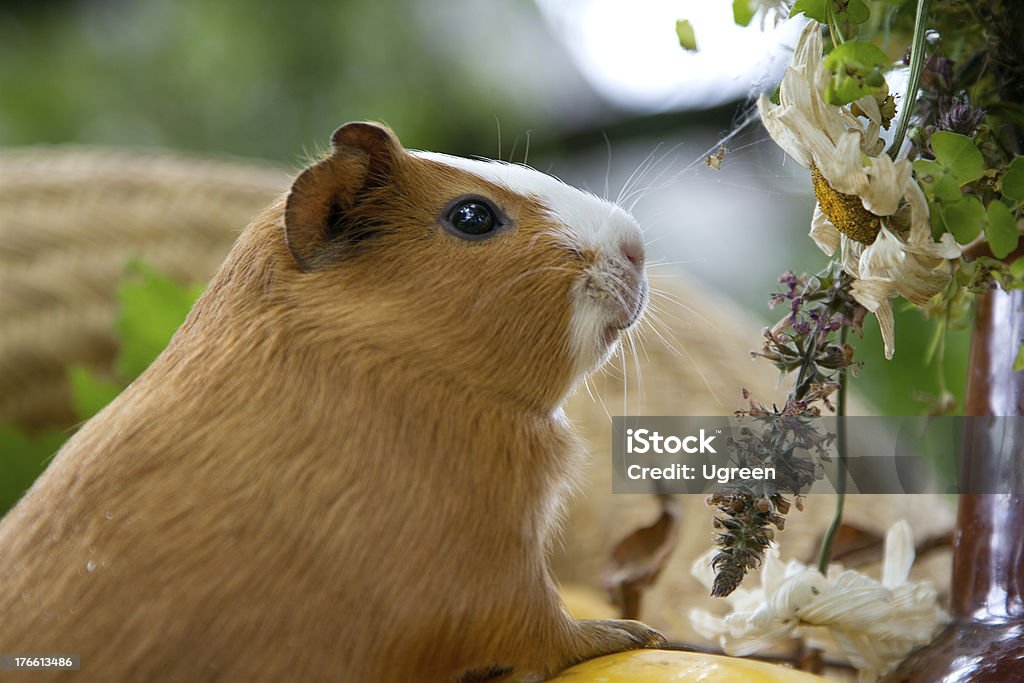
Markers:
point(1013, 179)
point(959, 154)
point(964, 218)
point(1001, 230)
point(856, 68)
point(856, 54)
point(814, 9)
point(856, 12)
point(936, 180)
point(742, 11)
point(684, 31)
point(1017, 269)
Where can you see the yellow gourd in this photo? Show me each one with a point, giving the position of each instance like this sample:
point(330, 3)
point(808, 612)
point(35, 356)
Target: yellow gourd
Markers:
point(665, 666)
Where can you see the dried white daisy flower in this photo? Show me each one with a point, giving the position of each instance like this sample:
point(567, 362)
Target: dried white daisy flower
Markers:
point(874, 624)
point(869, 206)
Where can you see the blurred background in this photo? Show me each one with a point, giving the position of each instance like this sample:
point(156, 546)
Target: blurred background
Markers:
point(597, 92)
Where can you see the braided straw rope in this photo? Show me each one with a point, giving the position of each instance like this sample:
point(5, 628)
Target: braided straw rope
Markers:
point(71, 218)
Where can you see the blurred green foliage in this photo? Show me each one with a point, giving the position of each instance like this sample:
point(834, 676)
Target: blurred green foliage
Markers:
point(25, 457)
point(151, 306)
point(908, 384)
point(255, 78)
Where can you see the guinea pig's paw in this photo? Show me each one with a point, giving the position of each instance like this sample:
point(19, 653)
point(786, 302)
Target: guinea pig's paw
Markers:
point(606, 636)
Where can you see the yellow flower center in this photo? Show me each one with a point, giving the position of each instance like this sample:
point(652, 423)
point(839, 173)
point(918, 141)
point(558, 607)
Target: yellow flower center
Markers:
point(845, 211)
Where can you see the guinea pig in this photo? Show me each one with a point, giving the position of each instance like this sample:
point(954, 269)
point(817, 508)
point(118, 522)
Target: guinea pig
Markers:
point(350, 460)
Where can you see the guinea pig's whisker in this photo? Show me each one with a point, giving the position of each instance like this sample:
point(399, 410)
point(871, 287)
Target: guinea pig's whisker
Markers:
point(648, 243)
point(663, 264)
point(655, 184)
point(639, 369)
point(679, 349)
point(512, 153)
point(608, 170)
point(649, 164)
point(639, 333)
point(662, 294)
point(661, 315)
point(625, 380)
point(633, 189)
point(637, 173)
point(611, 370)
point(666, 314)
point(600, 400)
point(672, 346)
point(497, 123)
point(590, 391)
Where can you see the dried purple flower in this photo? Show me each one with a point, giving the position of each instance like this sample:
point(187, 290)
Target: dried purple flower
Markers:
point(957, 115)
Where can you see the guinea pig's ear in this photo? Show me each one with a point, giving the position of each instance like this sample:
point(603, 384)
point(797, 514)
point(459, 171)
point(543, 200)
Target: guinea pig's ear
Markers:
point(316, 225)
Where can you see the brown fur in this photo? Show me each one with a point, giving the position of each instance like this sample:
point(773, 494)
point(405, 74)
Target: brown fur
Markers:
point(347, 464)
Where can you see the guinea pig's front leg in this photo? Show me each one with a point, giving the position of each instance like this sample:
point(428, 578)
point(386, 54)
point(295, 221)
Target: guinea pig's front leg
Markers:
point(584, 639)
point(597, 637)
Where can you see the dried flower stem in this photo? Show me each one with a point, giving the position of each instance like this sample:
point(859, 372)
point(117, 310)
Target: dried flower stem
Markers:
point(837, 519)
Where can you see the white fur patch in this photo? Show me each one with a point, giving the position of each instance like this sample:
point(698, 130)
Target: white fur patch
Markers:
point(583, 221)
point(587, 219)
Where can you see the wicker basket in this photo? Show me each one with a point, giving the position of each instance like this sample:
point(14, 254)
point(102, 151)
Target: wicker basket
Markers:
point(70, 220)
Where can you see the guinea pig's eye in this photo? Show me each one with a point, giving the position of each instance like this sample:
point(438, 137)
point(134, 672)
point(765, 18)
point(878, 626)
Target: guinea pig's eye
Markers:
point(472, 218)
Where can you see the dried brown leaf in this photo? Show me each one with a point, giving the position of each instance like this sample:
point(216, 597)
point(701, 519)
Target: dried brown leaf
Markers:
point(637, 560)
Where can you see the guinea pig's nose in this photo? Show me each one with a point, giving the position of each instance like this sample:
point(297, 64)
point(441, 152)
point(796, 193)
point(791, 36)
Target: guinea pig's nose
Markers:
point(633, 250)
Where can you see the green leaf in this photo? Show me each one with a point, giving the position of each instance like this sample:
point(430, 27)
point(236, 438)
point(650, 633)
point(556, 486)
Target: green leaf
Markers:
point(742, 12)
point(856, 68)
point(89, 393)
point(856, 13)
point(936, 180)
point(1001, 230)
point(856, 54)
point(1018, 363)
point(1013, 179)
point(965, 272)
point(814, 9)
point(151, 307)
point(684, 31)
point(964, 218)
point(24, 459)
point(959, 154)
point(1017, 269)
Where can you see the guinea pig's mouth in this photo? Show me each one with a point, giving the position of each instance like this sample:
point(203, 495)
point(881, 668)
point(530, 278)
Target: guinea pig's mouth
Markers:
point(612, 331)
point(637, 312)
